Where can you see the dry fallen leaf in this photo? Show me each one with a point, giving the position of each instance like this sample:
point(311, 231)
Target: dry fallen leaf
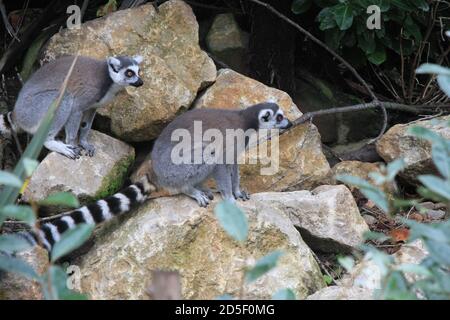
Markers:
point(399, 235)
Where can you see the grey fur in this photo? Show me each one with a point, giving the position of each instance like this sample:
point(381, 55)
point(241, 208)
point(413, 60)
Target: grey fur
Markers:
point(189, 178)
point(93, 83)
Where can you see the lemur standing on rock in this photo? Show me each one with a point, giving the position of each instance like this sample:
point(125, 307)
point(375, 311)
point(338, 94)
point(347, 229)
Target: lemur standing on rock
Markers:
point(92, 84)
point(188, 178)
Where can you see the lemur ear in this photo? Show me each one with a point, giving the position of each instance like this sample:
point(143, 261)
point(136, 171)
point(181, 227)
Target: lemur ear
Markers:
point(138, 59)
point(114, 63)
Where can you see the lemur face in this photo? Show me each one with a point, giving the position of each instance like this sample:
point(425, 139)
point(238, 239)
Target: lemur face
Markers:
point(124, 71)
point(273, 118)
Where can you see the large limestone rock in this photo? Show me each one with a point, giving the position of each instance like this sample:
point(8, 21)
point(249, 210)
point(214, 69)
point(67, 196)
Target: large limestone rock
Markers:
point(227, 42)
point(233, 90)
point(88, 178)
point(175, 234)
point(174, 66)
point(16, 287)
point(397, 143)
point(328, 217)
point(341, 293)
point(300, 163)
point(361, 170)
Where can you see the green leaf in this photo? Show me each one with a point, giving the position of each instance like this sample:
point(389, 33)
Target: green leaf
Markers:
point(71, 240)
point(284, 294)
point(366, 41)
point(328, 280)
point(436, 185)
point(12, 243)
point(396, 288)
point(300, 6)
point(343, 15)
point(444, 83)
point(346, 262)
point(440, 252)
point(326, 19)
point(421, 4)
point(393, 168)
point(29, 165)
point(233, 220)
point(263, 265)
point(402, 4)
point(61, 198)
point(433, 68)
point(55, 285)
point(9, 179)
point(378, 56)
point(15, 265)
point(371, 192)
point(414, 268)
point(19, 212)
point(441, 159)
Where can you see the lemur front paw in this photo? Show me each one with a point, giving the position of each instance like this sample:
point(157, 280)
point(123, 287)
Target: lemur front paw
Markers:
point(241, 194)
point(89, 148)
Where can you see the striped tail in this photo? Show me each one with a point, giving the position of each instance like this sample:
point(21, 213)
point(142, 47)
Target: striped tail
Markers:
point(94, 213)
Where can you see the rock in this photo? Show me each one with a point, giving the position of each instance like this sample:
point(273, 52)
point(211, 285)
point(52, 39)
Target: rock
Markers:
point(435, 214)
point(367, 274)
point(173, 70)
point(88, 178)
point(175, 234)
point(16, 287)
point(227, 42)
point(301, 164)
point(327, 217)
point(397, 143)
point(370, 220)
point(360, 170)
point(235, 91)
point(341, 293)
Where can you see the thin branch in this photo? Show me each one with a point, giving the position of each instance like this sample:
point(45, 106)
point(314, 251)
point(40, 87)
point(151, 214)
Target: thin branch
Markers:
point(365, 106)
point(8, 26)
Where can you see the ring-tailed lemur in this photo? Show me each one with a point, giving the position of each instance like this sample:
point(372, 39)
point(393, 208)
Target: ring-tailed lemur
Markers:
point(92, 84)
point(95, 213)
point(188, 178)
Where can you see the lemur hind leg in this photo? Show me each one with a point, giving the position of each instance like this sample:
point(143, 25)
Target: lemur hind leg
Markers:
point(222, 176)
point(86, 124)
point(235, 182)
point(60, 120)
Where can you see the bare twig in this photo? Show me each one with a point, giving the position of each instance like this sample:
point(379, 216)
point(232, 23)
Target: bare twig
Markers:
point(364, 106)
point(8, 26)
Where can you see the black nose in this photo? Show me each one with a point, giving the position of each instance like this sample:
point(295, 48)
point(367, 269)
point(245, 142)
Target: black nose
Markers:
point(289, 124)
point(138, 83)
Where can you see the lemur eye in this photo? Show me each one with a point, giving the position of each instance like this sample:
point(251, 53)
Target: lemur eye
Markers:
point(280, 117)
point(129, 73)
point(266, 117)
